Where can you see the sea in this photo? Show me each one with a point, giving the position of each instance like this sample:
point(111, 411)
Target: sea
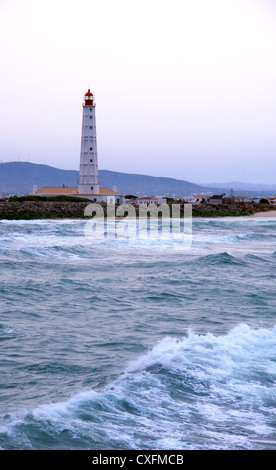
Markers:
point(138, 342)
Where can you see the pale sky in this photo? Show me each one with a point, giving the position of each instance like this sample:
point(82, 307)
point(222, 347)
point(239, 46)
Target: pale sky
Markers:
point(184, 88)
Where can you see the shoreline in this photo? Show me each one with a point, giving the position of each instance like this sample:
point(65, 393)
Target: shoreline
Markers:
point(271, 213)
point(32, 210)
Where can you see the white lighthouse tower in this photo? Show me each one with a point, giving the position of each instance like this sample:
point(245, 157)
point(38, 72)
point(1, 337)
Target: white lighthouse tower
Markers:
point(88, 182)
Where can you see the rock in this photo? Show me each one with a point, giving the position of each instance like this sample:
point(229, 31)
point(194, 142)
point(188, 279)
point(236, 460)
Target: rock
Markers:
point(69, 209)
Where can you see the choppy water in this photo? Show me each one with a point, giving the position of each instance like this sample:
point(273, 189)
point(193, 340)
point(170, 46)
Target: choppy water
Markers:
point(135, 344)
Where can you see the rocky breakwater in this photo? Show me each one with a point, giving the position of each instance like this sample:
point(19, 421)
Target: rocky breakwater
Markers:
point(41, 210)
point(234, 209)
point(15, 210)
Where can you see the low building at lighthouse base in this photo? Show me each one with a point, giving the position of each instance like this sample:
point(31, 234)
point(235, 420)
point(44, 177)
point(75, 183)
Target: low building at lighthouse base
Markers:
point(105, 195)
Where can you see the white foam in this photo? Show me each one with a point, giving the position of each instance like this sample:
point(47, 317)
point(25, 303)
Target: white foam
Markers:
point(218, 389)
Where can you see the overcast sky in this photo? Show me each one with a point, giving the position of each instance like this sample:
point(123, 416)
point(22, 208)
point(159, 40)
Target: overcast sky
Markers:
point(184, 88)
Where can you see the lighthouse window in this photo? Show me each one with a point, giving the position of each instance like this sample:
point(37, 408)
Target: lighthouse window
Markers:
point(90, 109)
point(91, 127)
point(91, 148)
point(90, 117)
point(91, 160)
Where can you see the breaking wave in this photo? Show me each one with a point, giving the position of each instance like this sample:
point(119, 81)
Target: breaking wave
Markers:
point(224, 385)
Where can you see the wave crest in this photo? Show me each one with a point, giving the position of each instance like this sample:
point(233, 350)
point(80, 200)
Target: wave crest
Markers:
point(224, 383)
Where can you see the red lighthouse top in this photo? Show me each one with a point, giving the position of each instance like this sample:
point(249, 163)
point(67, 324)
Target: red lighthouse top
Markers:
point(88, 98)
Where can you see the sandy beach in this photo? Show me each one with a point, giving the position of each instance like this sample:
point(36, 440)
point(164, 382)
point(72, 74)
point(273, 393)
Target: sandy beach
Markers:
point(265, 214)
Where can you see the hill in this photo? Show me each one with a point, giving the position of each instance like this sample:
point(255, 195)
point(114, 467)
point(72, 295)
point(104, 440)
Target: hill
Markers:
point(20, 177)
point(241, 186)
point(129, 183)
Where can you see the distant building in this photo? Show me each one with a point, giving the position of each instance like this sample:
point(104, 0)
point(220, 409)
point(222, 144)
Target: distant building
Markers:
point(248, 199)
point(235, 199)
point(216, 199)
point(150, 200)
point(190, 199)
point(194, 199)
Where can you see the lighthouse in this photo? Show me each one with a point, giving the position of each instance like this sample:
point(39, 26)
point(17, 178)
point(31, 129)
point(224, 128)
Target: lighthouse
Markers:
point(88, 182)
